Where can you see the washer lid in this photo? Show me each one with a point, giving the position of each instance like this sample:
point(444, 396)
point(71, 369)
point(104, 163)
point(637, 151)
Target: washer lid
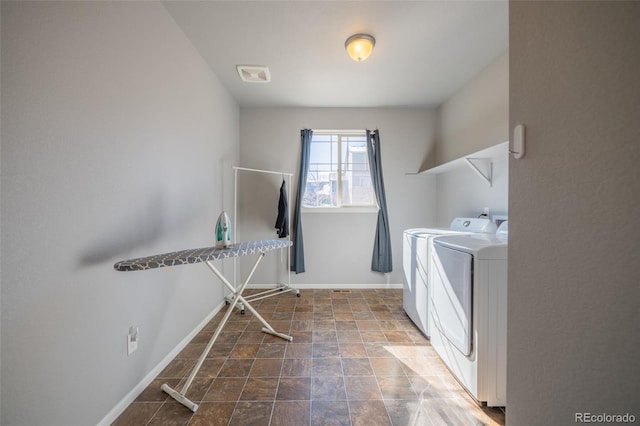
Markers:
point(433, 232)
point(420, 231)
point(481, 246)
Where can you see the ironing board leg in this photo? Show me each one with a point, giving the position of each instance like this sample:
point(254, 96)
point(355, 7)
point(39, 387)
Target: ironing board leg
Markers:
point(237, 299)
point(267, 327)
point(240, 300)
point(181, 396)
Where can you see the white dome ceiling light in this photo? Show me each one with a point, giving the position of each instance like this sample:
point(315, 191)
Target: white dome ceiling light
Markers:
point(360, 46)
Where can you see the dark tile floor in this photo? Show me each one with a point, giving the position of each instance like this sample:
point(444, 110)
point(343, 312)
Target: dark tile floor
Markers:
point(355, 359)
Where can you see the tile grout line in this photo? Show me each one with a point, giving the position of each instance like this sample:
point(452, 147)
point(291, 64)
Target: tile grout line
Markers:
point(386, 323)
point(155, 412)
point(275, 396)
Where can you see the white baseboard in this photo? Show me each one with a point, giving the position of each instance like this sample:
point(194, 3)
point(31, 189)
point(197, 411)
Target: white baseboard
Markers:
point(331, 286)
point(142, 385)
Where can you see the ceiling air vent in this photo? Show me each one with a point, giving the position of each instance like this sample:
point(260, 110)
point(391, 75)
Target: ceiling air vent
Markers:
point(254, 73)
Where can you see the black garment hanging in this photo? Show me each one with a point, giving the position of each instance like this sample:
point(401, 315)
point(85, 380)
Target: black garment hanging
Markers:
point(282, 221)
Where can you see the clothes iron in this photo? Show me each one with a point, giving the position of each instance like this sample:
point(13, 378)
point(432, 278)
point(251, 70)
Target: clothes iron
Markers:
point(223, 230)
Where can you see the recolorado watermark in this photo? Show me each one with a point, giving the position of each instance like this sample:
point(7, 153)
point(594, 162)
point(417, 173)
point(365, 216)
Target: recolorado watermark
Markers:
point(604, 418)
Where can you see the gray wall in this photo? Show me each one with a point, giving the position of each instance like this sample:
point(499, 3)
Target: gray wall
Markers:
point(462, 192)
point(338, 246)
point(475, 118)
point(117, 142)
point(0, 220)
point(574, 268)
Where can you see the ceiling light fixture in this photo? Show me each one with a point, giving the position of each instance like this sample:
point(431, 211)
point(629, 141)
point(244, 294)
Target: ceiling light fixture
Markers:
point(359, 46)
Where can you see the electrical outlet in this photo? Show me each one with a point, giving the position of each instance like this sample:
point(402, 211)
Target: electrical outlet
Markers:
point(132, 340)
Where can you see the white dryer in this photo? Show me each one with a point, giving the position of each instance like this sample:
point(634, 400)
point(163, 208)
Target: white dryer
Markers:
point(416, 252)
point(469, 311)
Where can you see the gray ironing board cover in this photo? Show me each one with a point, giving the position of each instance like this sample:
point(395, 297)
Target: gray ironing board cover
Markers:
point(205, 254)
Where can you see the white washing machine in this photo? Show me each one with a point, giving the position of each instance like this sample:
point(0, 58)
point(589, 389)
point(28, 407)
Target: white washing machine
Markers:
point(416, 251)
point(469, 311)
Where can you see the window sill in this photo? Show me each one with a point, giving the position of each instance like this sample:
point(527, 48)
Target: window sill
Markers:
point(339, 210)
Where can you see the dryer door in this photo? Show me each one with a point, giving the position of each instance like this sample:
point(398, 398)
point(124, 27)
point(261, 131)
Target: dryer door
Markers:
point(452, 296)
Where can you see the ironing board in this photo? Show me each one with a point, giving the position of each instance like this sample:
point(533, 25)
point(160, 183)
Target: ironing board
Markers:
point(207, 255)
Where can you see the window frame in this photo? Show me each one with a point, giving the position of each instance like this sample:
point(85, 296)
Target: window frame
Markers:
point(342, 208)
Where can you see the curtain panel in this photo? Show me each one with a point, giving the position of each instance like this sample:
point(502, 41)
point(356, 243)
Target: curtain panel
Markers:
point(297, 253)
point(381, 260)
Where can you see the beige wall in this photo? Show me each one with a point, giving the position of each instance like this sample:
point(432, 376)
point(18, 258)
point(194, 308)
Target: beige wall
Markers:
point(117, 142)
point(476, 117)
point(574, 201)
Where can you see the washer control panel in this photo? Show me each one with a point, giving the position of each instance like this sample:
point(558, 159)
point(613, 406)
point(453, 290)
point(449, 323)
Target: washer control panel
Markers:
point(473, 224)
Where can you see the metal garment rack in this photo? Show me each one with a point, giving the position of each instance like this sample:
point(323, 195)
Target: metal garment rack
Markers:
point(280, 288)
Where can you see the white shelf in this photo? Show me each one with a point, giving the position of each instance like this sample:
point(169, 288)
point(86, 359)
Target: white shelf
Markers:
point(480, 162)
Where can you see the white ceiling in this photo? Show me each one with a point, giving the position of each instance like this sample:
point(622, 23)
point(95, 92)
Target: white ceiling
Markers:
point(425, 50)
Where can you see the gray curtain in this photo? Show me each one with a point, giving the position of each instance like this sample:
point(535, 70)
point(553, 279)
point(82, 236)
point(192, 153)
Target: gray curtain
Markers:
point(381, 261)
point(297, 253)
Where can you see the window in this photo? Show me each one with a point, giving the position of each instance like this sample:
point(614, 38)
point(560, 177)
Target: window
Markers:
point(339, 173)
